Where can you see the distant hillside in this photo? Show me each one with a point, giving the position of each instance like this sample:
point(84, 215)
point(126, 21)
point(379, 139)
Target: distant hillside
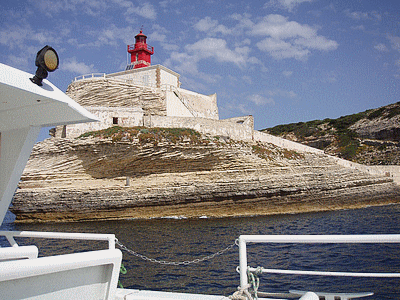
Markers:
point(371, 137)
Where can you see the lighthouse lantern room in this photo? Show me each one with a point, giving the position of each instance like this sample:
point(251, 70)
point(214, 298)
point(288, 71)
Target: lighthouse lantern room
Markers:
point(140, 52)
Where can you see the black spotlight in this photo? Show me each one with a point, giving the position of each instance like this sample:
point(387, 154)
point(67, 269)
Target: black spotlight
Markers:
point(46, 61)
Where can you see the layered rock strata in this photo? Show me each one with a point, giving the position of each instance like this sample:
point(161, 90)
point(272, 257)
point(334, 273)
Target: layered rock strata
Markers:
point(85, 179)
point(117, 93)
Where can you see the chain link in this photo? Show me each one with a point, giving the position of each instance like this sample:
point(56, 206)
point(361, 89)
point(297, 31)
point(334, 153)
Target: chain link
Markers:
point(175, 263)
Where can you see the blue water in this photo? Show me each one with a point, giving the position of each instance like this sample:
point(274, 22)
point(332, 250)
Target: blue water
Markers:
point(185, 239)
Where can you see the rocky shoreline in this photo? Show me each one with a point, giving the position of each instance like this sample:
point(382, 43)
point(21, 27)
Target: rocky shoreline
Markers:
point(191, 176)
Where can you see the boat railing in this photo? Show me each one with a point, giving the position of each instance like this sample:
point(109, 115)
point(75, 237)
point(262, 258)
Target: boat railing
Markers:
point(83, 275)
point(90, 76)
point(243, 240)
point(11, 235)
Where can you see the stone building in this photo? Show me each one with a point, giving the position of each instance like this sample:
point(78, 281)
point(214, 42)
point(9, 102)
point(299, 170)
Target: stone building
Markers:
point(146, 95)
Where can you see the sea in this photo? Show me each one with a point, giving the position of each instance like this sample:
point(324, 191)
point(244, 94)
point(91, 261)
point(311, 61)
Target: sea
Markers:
point(190, 240)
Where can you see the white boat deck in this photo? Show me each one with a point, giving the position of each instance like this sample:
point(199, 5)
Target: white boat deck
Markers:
point(130, 294)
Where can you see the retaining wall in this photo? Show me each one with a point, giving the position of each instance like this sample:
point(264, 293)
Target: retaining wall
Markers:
point(388, 171)
point(280, 142)
point(109, 116)
point(228, 128)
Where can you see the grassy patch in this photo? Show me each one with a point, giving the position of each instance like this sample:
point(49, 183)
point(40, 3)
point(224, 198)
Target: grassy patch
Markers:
point(147, 135)
point(262, 152)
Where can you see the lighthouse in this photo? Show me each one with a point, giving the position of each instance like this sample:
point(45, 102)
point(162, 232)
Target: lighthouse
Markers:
point(140, 52)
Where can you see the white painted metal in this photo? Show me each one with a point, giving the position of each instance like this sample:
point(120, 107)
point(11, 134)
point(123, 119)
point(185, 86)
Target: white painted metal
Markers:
point(24, 104)
point(24, 252)
point(319, 273)
point(243, 262)
point(87, 275)
point(331, 296)
point(309, 296)
point(325, 239)
point(16, 146)
point(60, 235)
point(24, 108)
point(129, 294)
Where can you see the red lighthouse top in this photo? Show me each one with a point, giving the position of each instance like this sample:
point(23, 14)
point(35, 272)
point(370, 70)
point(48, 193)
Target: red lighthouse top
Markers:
point(140, 52)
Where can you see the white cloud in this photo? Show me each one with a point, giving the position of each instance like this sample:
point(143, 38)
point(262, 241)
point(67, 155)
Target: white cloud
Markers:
point(147, 11)
point(79, 68)
point(160, 34)
point(156, 36)
point(289, 5)
point(235, 107)
point(395, 41)
point(282, 93)
point(360, 16)
point(205, 24)
point(269, 97)
point(183, 62)
point(287, 73)
point(244, 22)
point(381, 47)
point(289, 39)
point(109, 36)
point(247, 79)
point(317, 43)
point(19, 61)
point(278, 26)
point(329, 77)
point(18, 36)
point(89, 7)
point(211, 27)
point(260, 100)
point(280, 49)
point(218, 49)
point(209, 48)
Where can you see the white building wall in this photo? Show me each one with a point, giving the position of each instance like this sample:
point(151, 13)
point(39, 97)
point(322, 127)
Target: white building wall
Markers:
point(146, 77)
point(204, 106)
point(233, 130)
point(283, 143)
point(175, 107)
point(124, 117)
point(168, 78)
point(154, 76)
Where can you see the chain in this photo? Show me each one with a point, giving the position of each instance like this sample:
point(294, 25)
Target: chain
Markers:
point(175, 263)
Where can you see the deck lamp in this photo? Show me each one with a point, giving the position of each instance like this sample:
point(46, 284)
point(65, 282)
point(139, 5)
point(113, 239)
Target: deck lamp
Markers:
point(46, 61)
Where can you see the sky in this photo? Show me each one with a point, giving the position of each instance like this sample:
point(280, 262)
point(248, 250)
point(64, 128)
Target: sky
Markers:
point(282, 61)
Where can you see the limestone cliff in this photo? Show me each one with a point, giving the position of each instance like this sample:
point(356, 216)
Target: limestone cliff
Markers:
point(178, 172)
point(116, 93)
point(371, 137)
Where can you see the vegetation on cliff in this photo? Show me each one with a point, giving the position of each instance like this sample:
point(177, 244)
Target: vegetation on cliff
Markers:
point(156, 135)
point(147, 135)
point(369, 137)
point(120, 173)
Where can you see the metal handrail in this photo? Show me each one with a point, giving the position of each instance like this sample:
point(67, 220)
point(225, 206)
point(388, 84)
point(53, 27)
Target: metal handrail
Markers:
point(140, 46)
point(310, 239)
point(89, 76)
point(10, 235)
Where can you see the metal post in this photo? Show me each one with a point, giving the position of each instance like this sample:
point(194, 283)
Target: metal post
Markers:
point(242, 263)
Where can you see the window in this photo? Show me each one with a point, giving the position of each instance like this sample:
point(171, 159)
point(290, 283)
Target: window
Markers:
point(115, 121)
